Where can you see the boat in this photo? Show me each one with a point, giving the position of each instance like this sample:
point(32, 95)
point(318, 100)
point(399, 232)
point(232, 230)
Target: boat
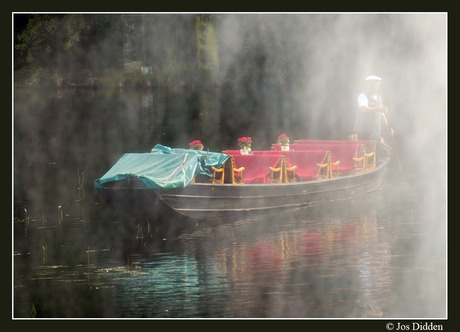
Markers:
point(191, 187)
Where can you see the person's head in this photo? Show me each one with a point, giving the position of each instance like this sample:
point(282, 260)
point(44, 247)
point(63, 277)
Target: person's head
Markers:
point(373, 84)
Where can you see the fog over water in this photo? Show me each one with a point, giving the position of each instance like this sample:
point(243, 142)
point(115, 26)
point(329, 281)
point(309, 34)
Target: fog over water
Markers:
point(298, 74)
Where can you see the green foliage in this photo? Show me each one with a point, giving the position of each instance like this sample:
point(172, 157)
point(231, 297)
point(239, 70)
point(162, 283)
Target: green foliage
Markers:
point(41, 76)
point(208, 58)
point(75, 31)
point(173, 72)
point(77, 47)
point(35, 41)
point(109, 78)
point(71, 42)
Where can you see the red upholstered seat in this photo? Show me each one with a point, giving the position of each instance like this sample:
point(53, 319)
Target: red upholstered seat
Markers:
point(343, 151)
point(257, 165)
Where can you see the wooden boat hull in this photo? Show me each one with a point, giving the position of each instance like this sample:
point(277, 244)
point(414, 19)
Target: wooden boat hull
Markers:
point(205, 201)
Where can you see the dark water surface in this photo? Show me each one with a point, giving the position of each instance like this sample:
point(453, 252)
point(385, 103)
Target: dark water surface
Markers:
point(74, 257)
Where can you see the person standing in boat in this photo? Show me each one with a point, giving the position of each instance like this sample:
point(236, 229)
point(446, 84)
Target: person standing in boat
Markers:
point(370, 116)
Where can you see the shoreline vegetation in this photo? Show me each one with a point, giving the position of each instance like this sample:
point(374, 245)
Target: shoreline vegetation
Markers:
point(112, 78)
point(145, 51)
point(90, 79)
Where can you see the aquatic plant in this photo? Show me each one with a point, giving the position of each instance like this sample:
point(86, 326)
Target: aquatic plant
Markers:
point(33, 313)
point(81, 185)
point(140, 233)
point(27, 221)
point(45, 253)
point(60, 214)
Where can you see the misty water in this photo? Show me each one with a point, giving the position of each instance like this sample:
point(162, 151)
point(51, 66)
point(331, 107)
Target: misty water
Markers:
point(74, 257)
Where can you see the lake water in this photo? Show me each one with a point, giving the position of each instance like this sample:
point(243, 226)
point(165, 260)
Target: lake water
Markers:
point(75, 258)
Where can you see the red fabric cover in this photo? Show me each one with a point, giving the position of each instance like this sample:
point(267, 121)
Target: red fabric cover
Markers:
point(306, 154)
point(329, 142)
point(344, 151)
point(257, 165)
point(317, 141)
point(306, 162)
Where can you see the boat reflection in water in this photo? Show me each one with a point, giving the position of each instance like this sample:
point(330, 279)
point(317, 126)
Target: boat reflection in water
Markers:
point(316, 266)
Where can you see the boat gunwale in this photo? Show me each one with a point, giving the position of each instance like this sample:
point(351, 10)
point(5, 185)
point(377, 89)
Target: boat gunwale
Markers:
point(261, 208)
point(274, 196)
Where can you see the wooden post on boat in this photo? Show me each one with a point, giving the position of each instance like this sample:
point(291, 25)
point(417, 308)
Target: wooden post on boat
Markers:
point(362, 158)
point(216, 171)
point(278, 170)
point(324, 175)
point(287, 169)
point(329, 173)
point(371, 158)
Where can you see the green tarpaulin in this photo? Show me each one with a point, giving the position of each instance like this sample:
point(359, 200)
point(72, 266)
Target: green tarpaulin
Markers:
point(164, 167)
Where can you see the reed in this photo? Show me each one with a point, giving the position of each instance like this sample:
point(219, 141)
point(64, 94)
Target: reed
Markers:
point(149, 232)
point(60, 214)
point(87, 253)
point(81, 192)
point(81, 185)
point(33, 313)
point(140, 233)
point(26, 221)
point(128, 266)
point(45, 253)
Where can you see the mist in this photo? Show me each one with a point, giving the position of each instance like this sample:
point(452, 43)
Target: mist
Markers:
point(329, 57)
point(298, 74)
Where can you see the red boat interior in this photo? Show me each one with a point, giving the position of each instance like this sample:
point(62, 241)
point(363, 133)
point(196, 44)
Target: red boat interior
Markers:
point(306, 160)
